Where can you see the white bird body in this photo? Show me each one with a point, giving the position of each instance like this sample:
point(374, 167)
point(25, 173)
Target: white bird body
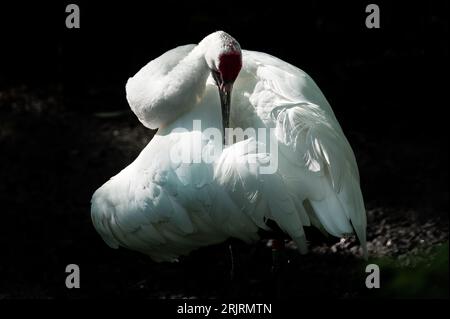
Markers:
point(316, 160)
point(167, 209)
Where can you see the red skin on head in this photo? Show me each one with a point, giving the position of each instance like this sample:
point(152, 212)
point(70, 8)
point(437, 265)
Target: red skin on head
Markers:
point(229, 66)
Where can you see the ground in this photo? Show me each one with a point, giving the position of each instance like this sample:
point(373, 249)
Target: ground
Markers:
point(54, 157)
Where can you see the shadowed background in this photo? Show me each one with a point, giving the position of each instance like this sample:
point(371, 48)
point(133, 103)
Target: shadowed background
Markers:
point(65, 128)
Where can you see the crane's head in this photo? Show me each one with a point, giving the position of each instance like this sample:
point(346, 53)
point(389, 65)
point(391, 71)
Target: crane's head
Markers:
point(224, 58)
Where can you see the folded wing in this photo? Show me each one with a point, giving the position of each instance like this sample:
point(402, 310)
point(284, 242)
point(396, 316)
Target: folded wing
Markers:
point(317, 162)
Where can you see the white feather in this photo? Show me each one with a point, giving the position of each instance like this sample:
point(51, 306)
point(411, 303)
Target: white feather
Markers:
point(166, 209)
point(316, 160)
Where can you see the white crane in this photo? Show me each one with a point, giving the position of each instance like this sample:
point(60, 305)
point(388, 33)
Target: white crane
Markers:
point(166, 209)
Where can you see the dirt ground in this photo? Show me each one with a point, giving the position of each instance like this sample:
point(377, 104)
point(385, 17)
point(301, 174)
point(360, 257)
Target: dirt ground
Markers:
point(53, 159)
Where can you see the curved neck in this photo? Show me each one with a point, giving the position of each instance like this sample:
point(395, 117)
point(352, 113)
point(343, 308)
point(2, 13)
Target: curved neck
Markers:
point(188, 76)
point(201, 100)
point(168, 87)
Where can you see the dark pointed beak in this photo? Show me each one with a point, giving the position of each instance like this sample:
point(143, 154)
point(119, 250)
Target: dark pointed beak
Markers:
point(225, 101)
point(225, 89)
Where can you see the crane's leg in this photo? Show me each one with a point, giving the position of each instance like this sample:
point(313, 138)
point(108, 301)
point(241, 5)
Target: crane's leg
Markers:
point(232, 263)
point(234, 287)
point(239, 263)
point(277, 246)
point(278, 265)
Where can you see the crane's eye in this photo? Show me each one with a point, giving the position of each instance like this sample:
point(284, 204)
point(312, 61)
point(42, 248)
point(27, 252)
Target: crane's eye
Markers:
point(217, 77)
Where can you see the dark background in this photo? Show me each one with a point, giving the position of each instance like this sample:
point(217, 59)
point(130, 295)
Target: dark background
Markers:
point(65, 128)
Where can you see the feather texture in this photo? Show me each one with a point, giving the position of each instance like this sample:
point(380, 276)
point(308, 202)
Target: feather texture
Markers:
point(316, 160)
point(166, 208)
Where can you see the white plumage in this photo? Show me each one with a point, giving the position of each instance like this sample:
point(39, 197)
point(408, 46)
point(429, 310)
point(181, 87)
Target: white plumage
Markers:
point(166, 209)
point(316, 160)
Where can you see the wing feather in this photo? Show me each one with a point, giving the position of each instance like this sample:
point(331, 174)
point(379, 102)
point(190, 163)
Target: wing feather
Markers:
point(259, 196)
point(159, 210)
point(320, 167)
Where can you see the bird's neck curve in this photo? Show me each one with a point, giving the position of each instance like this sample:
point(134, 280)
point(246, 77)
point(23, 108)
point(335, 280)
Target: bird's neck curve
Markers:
point(192, 73)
